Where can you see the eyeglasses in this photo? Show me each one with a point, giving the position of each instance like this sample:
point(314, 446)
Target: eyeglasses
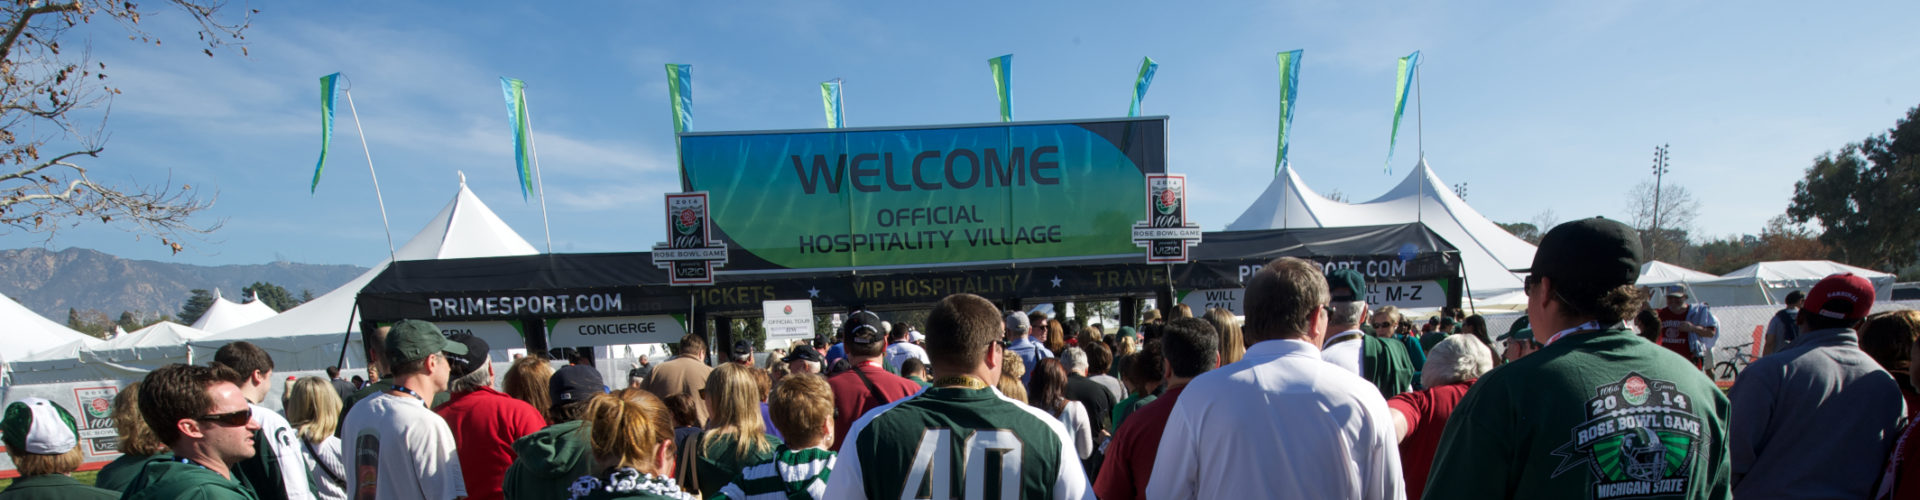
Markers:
point(234, 419)
point(1384, 324)
point(1003, 343)
point(1527, 286)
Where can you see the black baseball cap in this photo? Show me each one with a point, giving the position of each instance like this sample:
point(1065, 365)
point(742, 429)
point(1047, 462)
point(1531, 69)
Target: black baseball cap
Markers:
point(473, 360)
point(742, 348)
point(1346, 285)
point(1588, 256)
point(863, 327)
point(803, 353)
point(574, 383)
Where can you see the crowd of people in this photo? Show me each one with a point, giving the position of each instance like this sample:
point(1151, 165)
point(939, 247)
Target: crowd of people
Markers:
point(1318, 394)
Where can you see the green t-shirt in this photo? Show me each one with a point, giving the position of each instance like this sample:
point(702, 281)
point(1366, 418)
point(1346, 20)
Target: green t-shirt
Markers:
point(54, 487)
point(1598, 416)
point(719, 464)
point(1127, 406)
point(792, 474)
point(977, 437)
point(118, 473)
point(165, 478)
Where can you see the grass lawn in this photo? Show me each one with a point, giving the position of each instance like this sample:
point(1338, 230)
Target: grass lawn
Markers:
point(84, 477)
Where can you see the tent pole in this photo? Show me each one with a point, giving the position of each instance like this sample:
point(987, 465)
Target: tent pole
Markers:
point(349, 336)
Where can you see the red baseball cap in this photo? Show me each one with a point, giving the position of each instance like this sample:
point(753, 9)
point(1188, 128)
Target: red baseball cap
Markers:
point(1841, 296)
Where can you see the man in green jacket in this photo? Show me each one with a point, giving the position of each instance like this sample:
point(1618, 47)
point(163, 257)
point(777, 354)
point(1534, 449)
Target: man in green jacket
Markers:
point(209, 425)
point(1598, 413)
point(550, 459)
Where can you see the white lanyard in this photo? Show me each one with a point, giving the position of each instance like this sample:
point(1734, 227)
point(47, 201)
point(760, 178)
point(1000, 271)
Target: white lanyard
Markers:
point(1590, 325)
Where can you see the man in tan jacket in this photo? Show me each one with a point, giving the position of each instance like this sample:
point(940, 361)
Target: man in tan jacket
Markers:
point(686, 373)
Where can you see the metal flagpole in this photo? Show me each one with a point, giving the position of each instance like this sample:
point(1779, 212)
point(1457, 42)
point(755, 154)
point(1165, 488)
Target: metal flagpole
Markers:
point(376, 177)
point(534, 150)
point(1420, 134)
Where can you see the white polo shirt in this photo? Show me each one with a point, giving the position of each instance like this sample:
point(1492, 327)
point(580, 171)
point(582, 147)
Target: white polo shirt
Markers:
point(1346, 353)
point(1280, 423)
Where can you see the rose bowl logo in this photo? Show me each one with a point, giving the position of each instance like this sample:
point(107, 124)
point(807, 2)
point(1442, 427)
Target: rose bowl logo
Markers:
point(788, 310)
point(1635, 390)
point(100, 408)
point(1167, 201)
point(688, 222)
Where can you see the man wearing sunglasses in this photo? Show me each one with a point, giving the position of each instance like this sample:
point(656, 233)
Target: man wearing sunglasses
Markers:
point(203, 417)
point(395, 447)
point(278, 468)
point(1597, 412)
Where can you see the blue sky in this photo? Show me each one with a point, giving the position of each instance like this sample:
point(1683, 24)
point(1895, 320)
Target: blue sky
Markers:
point(1535, 105)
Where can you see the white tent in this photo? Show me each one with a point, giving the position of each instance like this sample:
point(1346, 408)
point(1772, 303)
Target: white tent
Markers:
point(1769, 283)
point(225, 314)
point(1660, 274)
point(1487, 251)
point(309, 337)
point(24, 333)
point(127, 356)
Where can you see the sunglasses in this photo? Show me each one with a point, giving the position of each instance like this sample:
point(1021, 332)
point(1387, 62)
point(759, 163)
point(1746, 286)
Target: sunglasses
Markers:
point(1383, 324)
point(234, 419)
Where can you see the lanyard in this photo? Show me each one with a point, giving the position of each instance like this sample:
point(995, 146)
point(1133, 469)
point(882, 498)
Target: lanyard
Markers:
point(1587, 326)
point(409, 392)
point(1342, 337)
point(192, 463)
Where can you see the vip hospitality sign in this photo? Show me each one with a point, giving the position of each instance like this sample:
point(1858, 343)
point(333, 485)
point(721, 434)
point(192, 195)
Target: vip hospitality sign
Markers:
point(690, 253)
point(841, 198)
point(1166, 233)
point(787, 319)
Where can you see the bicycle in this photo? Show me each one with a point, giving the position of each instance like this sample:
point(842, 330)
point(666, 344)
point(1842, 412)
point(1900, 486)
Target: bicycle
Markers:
point(1730, 369)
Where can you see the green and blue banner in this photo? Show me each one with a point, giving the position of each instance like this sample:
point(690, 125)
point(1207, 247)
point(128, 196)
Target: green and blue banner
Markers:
point(516, 94)
point(1003, 84)
point(1140, 83)
point(680, 95)
point(1401, 87)
point(926, 196)
point(1289, 89)
point(830, 97)
point(327, 87)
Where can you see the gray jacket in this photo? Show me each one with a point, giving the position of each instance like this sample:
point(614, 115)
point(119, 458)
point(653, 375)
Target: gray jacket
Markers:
point(1815, 420)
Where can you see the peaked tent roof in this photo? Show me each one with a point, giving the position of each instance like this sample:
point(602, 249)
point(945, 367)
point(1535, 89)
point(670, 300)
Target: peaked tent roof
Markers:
point(24, 333)
point(1769, 282)
point(308, 337)
point(225, 314)
point(1487, 251)
point(165, 333)
point(1657, 273)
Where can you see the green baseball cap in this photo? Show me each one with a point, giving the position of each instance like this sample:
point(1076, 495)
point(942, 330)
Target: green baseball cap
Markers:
point(1128, 331)
point(412, 340)
point(38, 426)
point(1346, 285)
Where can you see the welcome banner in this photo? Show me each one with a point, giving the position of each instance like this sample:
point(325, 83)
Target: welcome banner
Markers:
point(927, 196)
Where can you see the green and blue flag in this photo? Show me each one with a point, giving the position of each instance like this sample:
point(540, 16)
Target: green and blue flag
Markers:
point(1140, 83)
point(1289, 89)
point(327, 87)
point(830, 97)
point(1402, 87)
point(516, 93)
point(1003, 84)
point(680, 95)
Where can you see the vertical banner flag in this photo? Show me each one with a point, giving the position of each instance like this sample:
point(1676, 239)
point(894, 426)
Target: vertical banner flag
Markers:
point(326, 126)
point(680, 95)
point(830, 97)
point(1289, 87)
point(1400, 90)
point(1003, 84)
point(1140, 83)
point(516, 93)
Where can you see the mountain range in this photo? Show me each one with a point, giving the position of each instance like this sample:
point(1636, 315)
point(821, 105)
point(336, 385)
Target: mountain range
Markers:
point(50, 282)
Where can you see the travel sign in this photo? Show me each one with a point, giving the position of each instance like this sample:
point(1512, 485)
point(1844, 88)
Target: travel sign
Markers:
point(840, 198)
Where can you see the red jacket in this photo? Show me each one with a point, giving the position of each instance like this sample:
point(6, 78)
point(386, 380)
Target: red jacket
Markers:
point(485, 423)
point(851, 398)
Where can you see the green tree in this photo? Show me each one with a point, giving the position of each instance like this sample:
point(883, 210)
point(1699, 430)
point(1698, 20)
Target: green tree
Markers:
point(748, 329)
point(195, 306)
point(1521, 230)
point(274, 296)
point(1865, 197)
point(306, 295)
point(45, 141)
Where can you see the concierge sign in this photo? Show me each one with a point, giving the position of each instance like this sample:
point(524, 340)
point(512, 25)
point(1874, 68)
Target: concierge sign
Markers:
point(689, 254)
point(925, 196)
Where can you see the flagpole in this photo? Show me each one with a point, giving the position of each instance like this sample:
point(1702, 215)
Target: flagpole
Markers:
point(391, 255)
point(1420, 135)
point(534, 151)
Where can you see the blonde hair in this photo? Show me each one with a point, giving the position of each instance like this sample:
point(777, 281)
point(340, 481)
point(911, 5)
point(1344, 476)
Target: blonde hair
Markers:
point(733, 409)
point(526, 380)
point(1232, 348)
point(135, 438)
point(34, 464)
point(800, 404)
point(627, 427)
point(313, 408)
point(1011, 368)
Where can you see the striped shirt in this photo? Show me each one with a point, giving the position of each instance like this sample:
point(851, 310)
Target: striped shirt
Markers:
point(791, 475)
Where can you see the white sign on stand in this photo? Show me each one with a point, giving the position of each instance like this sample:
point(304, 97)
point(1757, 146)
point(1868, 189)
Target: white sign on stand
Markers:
point(581, 332)
point(786, 320)
point(1231, 299)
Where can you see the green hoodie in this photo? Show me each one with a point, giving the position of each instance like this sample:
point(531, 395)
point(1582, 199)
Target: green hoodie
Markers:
point(548, 461)
point(164, 477)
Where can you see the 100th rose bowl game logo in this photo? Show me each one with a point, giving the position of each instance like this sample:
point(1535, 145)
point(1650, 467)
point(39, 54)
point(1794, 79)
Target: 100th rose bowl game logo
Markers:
point(1166, 233)
point(689, 254)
